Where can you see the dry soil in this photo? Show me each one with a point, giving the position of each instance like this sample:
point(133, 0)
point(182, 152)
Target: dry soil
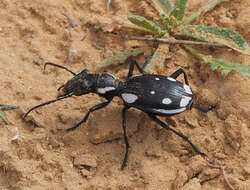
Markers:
point(44, 156)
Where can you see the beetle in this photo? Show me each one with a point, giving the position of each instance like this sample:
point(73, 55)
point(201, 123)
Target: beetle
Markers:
point(155, 95)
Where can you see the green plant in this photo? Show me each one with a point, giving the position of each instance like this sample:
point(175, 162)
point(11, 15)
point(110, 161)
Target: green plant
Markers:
point(173, 23)
point(121, 57)
point(6, 107)
point(4, 118)
point(218, 63)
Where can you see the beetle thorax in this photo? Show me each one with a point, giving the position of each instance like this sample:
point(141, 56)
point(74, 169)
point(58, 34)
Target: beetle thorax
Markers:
point(106, 84)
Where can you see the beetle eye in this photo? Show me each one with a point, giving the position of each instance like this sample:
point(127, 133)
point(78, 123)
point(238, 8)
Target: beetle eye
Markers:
point(86, 71)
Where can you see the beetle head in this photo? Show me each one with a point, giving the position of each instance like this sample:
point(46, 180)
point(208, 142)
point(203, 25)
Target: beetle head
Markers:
point(82, 83)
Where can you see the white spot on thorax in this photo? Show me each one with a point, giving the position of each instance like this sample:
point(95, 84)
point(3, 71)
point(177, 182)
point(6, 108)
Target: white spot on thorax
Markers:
point(129, 98)
point(185, 101)
point(111, 75)
point(105, 89)
point(170, 78)
point(152, 92)
point(156, 78)
point(166, 101)
point(175, 111)
point(187, 89)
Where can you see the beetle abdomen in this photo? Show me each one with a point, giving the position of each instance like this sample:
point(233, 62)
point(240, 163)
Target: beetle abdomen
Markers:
point(157, 94)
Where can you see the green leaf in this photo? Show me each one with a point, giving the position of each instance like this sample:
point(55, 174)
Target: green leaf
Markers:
point(97, 26)
point(139, 28)
point(121, 57)
point(207, 7)
point(148, 25)
point(179, 9)
point(217, 34)
point(149, 69)
point(162, 6)
point(169, 22)
point(4, 118)
point(166, 5)
point(243, 70)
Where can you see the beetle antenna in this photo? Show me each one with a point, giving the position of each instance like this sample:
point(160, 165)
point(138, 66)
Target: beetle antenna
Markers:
point(46, 103)
point(203, 109)
point(62, 67)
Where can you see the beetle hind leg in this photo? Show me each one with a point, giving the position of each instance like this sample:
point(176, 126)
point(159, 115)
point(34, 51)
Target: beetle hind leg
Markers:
point(165, 126)
point(203, 109)
point(179, 72)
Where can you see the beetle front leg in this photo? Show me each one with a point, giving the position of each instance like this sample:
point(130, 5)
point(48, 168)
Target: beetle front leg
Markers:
point(124, 126)
point(177, 73)
point(94, 108)
point(165, 126)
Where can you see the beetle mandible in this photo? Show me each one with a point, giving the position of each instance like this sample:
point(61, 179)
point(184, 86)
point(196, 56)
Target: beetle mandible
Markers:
point(156, 95)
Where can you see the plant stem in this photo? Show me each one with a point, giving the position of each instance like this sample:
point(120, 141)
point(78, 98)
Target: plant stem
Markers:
point(222, 168)
point(72, 24)
point(7, 106)
point(173, 41)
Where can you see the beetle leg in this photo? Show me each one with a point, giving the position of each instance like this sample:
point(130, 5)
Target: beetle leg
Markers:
point(124, 117)
point(177, 73)
point(133, 63)
point(165, 126)
point(48, 102)
point(94, 108)
point(203, 109)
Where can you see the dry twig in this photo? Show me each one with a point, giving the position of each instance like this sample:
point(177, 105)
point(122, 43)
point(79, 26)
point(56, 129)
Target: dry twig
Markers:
point(7, 106)
point(97, 47)
point(108, 4)
point(16, 137)
point(85, 35)
point(37, 63)
point(173, 41)
point(222, 168)
point(72, 24)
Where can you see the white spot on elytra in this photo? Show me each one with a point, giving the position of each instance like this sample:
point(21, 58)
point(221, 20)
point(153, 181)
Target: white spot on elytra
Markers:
point(152, 92)
point(105, 89)
point(185, 101)
point(174, 111)
point(170, 78)
point(187, 89)
point(156, 78)
point(166, 101)
point(129, 98)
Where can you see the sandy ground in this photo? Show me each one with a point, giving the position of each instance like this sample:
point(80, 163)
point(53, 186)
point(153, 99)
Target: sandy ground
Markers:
point(46, 157)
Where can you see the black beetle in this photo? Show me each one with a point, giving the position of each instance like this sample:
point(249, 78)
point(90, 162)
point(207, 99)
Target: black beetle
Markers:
point(152, 94)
